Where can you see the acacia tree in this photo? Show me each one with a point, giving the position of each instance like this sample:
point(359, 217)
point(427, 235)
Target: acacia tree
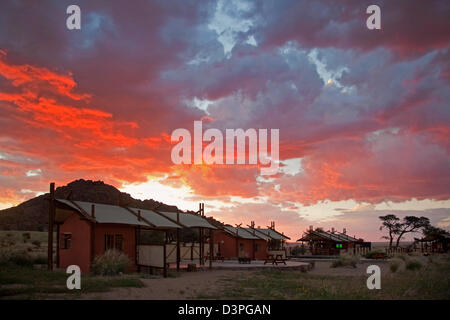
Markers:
point(392, 223)
point(411, 224)
point(434, 231)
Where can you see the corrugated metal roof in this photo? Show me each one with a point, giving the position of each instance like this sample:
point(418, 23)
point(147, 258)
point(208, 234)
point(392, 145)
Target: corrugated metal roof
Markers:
point(331, 236)
point(345, 236)
point(337, 236)
point(156, 219)
point(189, 220)
point(106, 213)
point(242, 233)
point(271, 234)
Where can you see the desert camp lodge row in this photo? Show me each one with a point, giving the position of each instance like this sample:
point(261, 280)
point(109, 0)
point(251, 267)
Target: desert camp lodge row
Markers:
point(151, 238)
point(157, 239)
point(333, 242)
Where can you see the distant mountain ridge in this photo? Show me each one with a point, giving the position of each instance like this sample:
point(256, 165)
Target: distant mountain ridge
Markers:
point(33, 214)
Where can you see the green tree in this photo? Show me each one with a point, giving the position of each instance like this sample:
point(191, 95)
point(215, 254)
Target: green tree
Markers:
point(429, 230)
point(392, 223)
point(411, 224)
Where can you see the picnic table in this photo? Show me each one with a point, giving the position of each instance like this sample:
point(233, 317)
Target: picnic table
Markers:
point(275, 259)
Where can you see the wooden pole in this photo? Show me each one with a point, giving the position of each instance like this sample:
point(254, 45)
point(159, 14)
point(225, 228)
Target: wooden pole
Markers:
point(178, 243)
point(253, 245)
point(137, 238)
point(165, 258)
point(92, 233)
point(51, 218)
point(211, 247)
point(200, 248)
point(57, 246)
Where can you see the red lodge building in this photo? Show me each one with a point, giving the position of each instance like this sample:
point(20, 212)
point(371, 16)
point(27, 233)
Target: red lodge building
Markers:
point(86, 230)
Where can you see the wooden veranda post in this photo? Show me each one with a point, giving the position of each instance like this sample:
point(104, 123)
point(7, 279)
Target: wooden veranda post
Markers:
point(92, 252)
point(178, 242)
point(165, 253)
point(200, 237)
point(57, 245)
point(200, 249)
point(137, 242)
point(253, 245)
point(51, 219)
point(211, 247)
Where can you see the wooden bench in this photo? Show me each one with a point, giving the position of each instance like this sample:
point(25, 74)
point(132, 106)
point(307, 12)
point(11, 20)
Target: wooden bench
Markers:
point(218, 257)
point(244, 260)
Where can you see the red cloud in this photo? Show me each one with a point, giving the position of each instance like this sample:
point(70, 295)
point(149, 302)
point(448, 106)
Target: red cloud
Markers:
point(27, 74)
point(115, 126)
point(66, 140)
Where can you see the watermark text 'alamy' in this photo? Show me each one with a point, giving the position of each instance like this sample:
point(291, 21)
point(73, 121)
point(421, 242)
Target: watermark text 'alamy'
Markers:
point(213, 153)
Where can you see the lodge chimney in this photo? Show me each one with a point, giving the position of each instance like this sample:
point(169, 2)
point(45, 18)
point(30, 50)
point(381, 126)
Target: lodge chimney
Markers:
point(310, 228)
point(332, 230)
point(344, 231)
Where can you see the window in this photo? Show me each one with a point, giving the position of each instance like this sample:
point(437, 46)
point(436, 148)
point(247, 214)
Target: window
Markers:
point(109, 241)
point(119, 242)
point(67, 241)
point(114, 242)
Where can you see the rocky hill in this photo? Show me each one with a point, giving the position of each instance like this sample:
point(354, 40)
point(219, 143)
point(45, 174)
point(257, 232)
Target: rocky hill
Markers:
point(33, 214)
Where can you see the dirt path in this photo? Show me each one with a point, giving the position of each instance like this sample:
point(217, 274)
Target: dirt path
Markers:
point(197, 284)
point(187, 286)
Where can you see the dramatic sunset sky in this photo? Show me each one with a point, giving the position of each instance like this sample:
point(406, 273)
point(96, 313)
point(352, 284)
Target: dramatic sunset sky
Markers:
point(364, 115)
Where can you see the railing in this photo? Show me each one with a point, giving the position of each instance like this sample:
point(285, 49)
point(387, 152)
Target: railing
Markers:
point(394, 250)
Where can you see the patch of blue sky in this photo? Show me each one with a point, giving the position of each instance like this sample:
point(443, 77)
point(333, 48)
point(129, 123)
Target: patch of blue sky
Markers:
point(229, 21)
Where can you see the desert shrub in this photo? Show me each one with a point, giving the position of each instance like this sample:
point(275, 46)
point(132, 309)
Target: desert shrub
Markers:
point(37, 243)
point(413, 264)
point(402, 257)
point(8, 243)
point(375, 254)
point(42, 259)
point(395, 264)
point(112, 262)
point(15, 257)
point(415, 254)
point(345, 260)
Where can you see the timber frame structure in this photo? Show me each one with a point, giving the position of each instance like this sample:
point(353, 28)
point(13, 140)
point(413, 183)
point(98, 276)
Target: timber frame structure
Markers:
point(98, 227)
